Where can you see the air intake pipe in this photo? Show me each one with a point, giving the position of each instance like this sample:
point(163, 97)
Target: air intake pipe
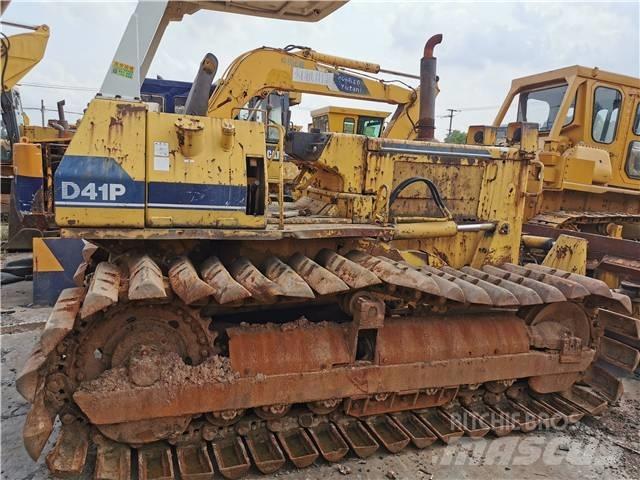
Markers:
point(428, 88)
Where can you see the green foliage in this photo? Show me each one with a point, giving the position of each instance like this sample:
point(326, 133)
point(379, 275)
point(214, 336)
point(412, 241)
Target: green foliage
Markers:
point(456, 136)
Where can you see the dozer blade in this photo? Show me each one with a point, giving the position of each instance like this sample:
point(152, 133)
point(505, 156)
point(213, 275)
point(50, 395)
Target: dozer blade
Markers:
point(441, 425)
point(155, 463)
point(525, 295)
point(185, 282)
point(70, 451)
point(354, 275)
point(319, 278)
point(548, 293)
point(585, 399)
point(416, 430)
point(194, 462)
point(569, 288)
point(265, 451)
point(331, 445)
point(358, 437)
point(103, 289)
point(260, 287)
point(59, 324)
point(291, 284)
point(393, 275)
point(605, 383)
point(298, 447)
point(225, 288)
point(472, 425)
point(388, 432)
point(619, 354)
point(522, 418)
point(472, 293)
point(113, 461)
point(231, 457)
point(145, 279)
point(500, 296)
point(37, 426)
point(499, 424)
point(593, 285)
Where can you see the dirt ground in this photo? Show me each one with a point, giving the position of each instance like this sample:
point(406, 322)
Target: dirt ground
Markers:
point(605, 447)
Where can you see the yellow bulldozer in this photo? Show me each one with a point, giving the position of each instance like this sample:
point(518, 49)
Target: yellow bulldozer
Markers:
point(214, 329)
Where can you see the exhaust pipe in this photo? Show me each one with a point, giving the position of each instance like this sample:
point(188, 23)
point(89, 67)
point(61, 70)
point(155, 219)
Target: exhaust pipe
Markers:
point(426, 124)
point(61, 120)
point(198, 98)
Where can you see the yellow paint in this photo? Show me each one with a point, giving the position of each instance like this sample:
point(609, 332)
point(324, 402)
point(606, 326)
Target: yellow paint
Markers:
point(27, 160)
point(27, 49)
point(43, 258)
point(568, 253)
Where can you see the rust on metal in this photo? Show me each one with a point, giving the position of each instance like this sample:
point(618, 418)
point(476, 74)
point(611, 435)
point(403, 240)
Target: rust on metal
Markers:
point(354, 275)
point(619, 354)
point(70, 451)
point(103, 289)
point(265, 451)
point(58, 326)
point(113, 460)
point(225, 288)
point(145, 279)
point(415, 429)
point(309, 347)
point(358, 437)
point(155, 463)
point(231, 457)
point(37, 426)
point(186, 283)
point(329, 441)
point(440, 423)
point(194, 462)
point(260, 287)
point(319, 278)
point(290, 283)
point(388, 432)
point(298, 446)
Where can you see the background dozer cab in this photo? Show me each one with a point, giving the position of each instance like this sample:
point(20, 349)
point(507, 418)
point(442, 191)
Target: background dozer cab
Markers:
point(586, 182)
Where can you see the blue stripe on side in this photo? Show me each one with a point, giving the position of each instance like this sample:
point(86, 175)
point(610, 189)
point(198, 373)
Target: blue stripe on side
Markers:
point(196, 196)
point(86, 181)
point(25, 189)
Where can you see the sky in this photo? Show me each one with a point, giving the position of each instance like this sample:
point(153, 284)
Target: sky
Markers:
point(486, 44)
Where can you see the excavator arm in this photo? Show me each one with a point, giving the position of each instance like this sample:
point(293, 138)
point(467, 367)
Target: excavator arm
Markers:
point(20, 53)
point(263, 70)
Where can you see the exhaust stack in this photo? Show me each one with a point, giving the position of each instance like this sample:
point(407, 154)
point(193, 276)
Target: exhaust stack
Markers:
point(426, 124)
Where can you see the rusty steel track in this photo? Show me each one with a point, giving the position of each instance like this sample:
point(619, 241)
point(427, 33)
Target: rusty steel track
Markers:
point(303, 438)
point(137, 333)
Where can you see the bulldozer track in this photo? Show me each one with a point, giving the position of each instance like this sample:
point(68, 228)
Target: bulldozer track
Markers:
point(574, 220)
point(205, 450)
point(132, 336)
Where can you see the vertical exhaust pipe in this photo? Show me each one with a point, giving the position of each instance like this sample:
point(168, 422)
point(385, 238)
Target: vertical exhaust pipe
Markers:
point(428, 81)
point(198, 98)
point(61, 119)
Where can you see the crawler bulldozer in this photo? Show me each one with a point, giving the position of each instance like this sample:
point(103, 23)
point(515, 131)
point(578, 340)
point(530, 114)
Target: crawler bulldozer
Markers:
point(212, 330)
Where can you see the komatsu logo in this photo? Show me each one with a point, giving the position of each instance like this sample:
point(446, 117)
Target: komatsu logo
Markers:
point(106, 192)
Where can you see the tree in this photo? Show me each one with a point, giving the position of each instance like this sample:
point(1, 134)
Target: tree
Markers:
point(456, 136)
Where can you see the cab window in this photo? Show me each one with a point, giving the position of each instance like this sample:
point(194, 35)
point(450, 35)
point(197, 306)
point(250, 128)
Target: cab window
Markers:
point(636, 121)
point(606, 107)
point(321, 123)
point(348, 125)
point(541, 106)
point(369, 126)
point(632, 166)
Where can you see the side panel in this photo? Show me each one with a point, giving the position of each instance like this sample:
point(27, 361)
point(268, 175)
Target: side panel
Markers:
point(100, 180)
point(197, 173)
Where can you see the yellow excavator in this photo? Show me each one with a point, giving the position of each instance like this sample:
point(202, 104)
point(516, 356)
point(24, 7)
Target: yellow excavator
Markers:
point(20, 53)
